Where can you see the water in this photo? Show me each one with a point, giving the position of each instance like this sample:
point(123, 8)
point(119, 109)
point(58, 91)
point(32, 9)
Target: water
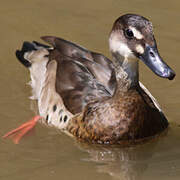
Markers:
point(47, 153)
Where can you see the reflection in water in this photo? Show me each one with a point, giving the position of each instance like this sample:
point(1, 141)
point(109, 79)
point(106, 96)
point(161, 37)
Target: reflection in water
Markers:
point(124, 163)
point(121, 163)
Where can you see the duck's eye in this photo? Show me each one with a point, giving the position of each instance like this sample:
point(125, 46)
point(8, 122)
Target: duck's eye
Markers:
point(129, 33)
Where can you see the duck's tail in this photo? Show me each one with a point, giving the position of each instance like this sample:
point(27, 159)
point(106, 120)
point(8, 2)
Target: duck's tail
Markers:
point(28, 48)
point(35, 57)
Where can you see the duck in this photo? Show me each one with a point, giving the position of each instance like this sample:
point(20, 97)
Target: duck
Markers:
point(89, 96)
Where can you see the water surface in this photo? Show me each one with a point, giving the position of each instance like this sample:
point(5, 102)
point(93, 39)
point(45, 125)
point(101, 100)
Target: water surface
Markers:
point(47, 153)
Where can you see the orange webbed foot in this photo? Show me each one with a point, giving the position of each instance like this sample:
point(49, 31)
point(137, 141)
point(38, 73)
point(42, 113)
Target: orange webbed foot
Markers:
point(22, 130)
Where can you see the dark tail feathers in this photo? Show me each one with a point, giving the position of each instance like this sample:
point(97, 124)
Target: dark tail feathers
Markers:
point(27, 47)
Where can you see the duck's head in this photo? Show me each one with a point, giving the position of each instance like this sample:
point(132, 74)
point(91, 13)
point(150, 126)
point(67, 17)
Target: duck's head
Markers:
point(131, 38)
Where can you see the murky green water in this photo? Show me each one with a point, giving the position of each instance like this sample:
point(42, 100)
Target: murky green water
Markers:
point(48, 154)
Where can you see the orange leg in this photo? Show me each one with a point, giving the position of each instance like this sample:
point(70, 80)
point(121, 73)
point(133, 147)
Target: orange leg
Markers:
point(22, 130)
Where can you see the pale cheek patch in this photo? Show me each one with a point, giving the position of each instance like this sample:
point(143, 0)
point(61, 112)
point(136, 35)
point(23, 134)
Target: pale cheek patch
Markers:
point(137, 34)
point(123, 49)
point(118, 46)
point(139, 49)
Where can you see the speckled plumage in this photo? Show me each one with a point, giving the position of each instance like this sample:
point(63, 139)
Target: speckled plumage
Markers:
point(90, 97)
point(127, 116)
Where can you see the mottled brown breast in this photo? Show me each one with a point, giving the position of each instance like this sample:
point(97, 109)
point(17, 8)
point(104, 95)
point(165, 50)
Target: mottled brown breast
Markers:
point(127, 118)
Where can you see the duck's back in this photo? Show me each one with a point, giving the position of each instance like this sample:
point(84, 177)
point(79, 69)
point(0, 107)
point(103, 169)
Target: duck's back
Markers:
point(82, 76)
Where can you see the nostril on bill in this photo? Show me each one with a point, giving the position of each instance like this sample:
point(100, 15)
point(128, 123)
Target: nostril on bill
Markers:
point(152, 54)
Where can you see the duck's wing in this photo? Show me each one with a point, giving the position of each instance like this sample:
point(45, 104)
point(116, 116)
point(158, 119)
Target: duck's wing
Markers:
point(73, 50)
point(67, 48)
point(77, 85)
point(82, 76)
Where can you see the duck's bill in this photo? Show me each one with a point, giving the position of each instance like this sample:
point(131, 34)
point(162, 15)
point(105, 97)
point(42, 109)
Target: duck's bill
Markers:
point(153, 60)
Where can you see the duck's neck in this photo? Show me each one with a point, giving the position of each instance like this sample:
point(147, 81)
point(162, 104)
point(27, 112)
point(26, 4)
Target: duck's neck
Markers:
point(127, 69)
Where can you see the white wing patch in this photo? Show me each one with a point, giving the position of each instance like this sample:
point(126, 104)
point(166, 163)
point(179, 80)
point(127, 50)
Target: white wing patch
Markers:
point(37, 70)
point(43, 78)
point(50, 103)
